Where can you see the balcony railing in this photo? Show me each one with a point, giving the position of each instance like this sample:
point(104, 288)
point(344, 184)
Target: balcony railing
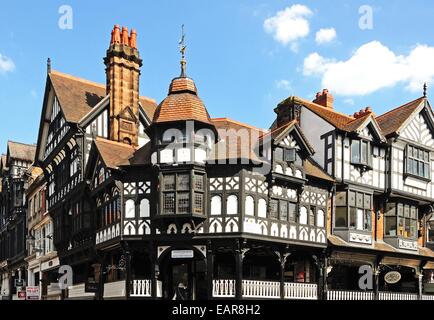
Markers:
point(397, 296)
point(261, 289)
point(382, 295)
point(349, 295)
point(142, 288)
point(254, 289)
point(223, 288)
point(301, 291)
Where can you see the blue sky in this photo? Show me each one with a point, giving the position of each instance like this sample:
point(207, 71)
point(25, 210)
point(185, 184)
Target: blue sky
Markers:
point(245, 56)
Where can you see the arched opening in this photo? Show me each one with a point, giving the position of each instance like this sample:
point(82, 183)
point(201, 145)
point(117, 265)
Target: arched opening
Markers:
point(261, 265)
point(183, 274)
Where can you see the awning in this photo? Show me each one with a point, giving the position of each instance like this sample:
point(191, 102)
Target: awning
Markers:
point(392, 261)
point(429, 266)
point(351, 258)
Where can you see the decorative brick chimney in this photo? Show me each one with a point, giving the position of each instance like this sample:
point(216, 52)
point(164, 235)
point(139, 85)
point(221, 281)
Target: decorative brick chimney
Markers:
point(362, 113)
point(324, 99)
point(122, 72)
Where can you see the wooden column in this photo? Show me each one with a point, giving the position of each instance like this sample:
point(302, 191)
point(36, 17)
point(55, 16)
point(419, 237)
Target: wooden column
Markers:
point(420, 285)
point(377, 278)
point(210, 269)
point(283, 257)
point(127, 256)
point(155, 270)
point(239, 256)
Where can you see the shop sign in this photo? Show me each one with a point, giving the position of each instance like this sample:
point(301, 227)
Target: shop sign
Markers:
point(182, 254)
point(32, 293)
point(392, 277)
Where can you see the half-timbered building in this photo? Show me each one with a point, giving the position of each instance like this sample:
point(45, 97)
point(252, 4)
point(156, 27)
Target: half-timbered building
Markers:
point(382, 204)
point(76, 111)
point(18, 159)
point(165, 201)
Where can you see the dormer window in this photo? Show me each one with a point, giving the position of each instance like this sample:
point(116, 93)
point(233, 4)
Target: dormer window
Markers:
point(417, 162)
point(360, 153)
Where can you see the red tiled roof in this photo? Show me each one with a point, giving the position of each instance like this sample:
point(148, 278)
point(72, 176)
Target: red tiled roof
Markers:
point(114, 153)
point(228, 148)
point(392, 121)
point(182, 104)
point(335, 118)
point(78, 96)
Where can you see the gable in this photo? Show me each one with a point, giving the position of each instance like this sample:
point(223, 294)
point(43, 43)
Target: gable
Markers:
point(289, 142)
point(419, 130)
point(53, 124)
point(291, 136)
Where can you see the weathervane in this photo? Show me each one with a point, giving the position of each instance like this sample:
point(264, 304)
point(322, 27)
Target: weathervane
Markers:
point(425, 88)
point(182, 49)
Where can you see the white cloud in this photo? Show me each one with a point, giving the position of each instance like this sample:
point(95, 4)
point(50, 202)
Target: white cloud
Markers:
point(289, 25)
point(372, 67)
point(6, 64)
point(325, 36)
point(284, 85)
point(349, 102)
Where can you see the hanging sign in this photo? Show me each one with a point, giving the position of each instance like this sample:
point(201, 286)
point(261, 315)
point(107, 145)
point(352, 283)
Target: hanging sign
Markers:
point(392, 277)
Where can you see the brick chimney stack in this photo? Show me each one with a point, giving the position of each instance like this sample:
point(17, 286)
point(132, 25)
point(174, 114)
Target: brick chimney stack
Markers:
point(123, 65)
point(363, 112)
point(324, 99)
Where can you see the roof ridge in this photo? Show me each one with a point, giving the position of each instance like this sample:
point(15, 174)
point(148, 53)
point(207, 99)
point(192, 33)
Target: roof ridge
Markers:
point(71, 77)
point(22, 143)
point(327, 109)
point(237, 122)
point(397, 108)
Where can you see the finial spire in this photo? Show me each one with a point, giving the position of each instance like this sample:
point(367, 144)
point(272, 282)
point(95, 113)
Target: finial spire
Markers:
point(182, 49)
point(425, 89)
point(48, 65)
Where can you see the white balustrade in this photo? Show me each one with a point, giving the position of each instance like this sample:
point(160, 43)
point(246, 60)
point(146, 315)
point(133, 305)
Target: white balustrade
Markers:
point(261, 289)
point(223, 288)
point(398, 296)
point(301, 291)
point(428, 297)
point(141, 288)
point(349, 295)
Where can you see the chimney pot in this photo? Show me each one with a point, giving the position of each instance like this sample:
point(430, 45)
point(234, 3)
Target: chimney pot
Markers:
point(133, 39)
point(125, 37)
point(116, 35)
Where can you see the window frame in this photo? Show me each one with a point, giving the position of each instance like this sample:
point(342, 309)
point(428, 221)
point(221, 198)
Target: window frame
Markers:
point(410, 158)
point(368, 154)
point(353, 209)
point(196, 192)
point(409, 220)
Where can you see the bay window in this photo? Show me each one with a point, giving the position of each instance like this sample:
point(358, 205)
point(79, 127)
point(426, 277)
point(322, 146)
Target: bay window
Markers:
point(417, 162)
point(283, 210)
point(177, 190)
point(353, 210)
point(401, 220)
